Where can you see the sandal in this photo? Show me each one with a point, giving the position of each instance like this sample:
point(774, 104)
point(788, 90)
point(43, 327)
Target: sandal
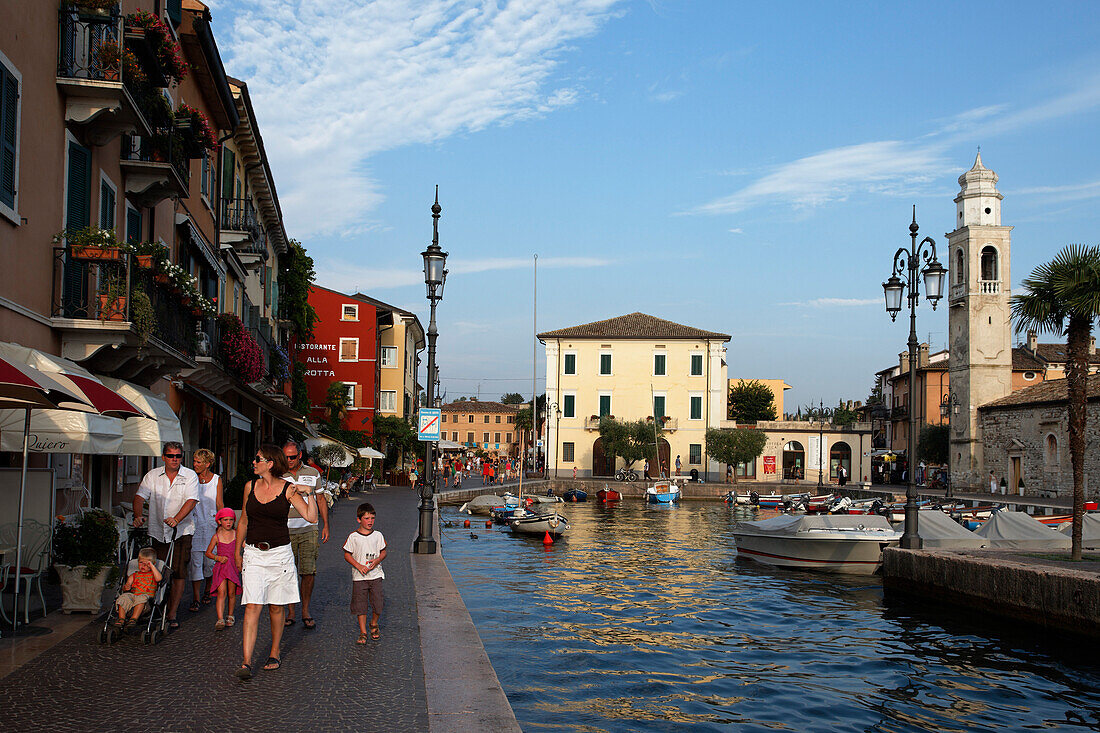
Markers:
point(206, 599)
point(245, 672)
point(173, 624)
point(118, 623)
point(194, 607)
point(130, 623)
point(272, 661)
point(362, 639)
point(288, 622)
point(229, 621)
point(375, 633)
point(309, 623)
point(219, 625)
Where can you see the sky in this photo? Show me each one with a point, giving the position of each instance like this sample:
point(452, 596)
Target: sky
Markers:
point(748, 168)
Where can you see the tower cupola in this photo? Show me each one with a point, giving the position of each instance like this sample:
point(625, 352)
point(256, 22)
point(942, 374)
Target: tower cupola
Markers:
point(979, 201)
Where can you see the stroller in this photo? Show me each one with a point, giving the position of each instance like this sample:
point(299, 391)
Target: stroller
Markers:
point(154, 618)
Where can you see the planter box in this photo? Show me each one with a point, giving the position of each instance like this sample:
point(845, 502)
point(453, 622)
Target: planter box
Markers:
point(112, 309)
point(96, 253)
point(160, 278)
point(145, 262)
point(77, 592)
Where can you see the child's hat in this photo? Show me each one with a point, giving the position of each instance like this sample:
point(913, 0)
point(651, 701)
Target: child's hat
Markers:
point(226, 512)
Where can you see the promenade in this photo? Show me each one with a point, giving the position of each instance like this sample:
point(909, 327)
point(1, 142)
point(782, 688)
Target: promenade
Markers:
point(327, 681)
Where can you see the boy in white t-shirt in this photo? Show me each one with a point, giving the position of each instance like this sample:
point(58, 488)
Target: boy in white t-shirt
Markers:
point(365, 550)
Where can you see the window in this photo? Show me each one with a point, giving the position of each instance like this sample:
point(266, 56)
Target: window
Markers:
point(496, 438)
point(443, 417)
point(10, 81)
point(746, 470)
point(350, 312)
point(658, 405)
point(605, 363)
point(133, 224)
point(486, 418)
point(696, 365)
point(498, 420)
point(959, 266)
point(349, 349)
point(570, 366)
point(350, 400)
point(696, 407)
point(1029, 376)
point(511, 418)
point(567, 452)
point(695, 454)
point(106, 204)
point(659, 365)
point(605, 405)
point(470, 438)
point(389, 357)
point(387, 401)
point(989, 263)
point(471, 418)
point(507, 437)
point(486, 438)
point(569, 405)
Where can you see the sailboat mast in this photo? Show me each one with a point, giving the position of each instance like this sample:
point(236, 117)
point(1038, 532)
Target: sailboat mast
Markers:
point(656, 443)
point(534, 361)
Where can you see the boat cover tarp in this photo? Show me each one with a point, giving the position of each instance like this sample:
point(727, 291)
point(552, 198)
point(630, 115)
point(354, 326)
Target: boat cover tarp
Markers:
point(1019, 531)
point(482, 504)
point(790, 524)
point(936, 529)
point(1090, 531)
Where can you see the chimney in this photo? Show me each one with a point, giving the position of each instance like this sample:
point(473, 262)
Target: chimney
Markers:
point(922, 356)
point(1032, 341)
point(903, 361)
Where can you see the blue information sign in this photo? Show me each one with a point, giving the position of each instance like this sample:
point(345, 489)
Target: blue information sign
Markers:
point(428, 423)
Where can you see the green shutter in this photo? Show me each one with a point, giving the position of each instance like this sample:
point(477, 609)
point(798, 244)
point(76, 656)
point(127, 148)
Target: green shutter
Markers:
point(133, 226)
point(9, 116)
point(106, 206)
point(77, 216)
point(228, 162)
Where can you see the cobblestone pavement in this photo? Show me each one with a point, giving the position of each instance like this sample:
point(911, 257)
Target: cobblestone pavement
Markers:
point(186, 683)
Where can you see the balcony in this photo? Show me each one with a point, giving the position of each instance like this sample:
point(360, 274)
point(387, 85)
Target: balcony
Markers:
point(156, 167)
point(989, 287)
point(901, 412)
point(238, 216)
point(90, 72)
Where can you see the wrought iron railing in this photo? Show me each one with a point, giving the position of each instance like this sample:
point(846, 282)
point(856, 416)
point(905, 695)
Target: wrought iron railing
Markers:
point(90, 44)
point(175, 325)
point(239, 216)
point(164, 146)
point(91, 289)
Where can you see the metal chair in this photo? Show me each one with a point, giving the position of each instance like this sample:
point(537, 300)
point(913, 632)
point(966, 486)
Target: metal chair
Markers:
point(36, 558)
point(75, 497)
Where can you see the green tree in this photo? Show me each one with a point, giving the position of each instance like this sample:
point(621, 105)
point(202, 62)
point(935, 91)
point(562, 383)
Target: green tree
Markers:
point(512, 398)
point(295, 280)
point(299, 390)
point(734, 446)
point(523, 419)
point(631, 440)
point(842, 415)
point(933, 443)
point(327, 456)
point(394, 437)
point(336, 403)
point(875, 397)
point(1062, 297)
point(749, 402)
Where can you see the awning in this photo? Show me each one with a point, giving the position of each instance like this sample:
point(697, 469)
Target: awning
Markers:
point(450, 445)
point(142, 436)
point(236, 419)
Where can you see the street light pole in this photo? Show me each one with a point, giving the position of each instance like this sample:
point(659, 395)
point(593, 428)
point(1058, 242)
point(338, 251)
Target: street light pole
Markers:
point(822, 413)
point(907, 264)
point(435, 277)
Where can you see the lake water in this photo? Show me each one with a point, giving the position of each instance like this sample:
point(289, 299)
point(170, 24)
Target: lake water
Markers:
point(643, 619)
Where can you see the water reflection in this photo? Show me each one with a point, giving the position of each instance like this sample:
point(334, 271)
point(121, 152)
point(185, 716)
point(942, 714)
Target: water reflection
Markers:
point(642, 619)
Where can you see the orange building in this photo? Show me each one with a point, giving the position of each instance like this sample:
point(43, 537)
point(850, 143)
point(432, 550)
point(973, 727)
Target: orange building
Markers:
point(487, 426)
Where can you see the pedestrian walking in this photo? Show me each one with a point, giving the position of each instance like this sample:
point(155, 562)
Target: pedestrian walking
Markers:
point(365, 549)
point(171, 492)
point(226, 578)
point(211, 490)
point(678, 465)
point(992, 483)
point(263, 550)
point(841, 475)
point(645, 469)
point(304, 534)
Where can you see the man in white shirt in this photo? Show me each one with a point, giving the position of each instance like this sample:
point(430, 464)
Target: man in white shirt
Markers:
point(171, 492)
point(303, 534)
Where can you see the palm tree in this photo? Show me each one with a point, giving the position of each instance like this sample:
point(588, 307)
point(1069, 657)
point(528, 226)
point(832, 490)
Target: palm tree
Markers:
point(1063, 297)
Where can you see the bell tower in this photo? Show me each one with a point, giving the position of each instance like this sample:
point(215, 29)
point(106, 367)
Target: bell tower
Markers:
point(979, 318)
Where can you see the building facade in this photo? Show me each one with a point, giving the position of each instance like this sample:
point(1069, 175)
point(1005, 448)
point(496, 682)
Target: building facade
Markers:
point(485, 426)
point(634, 367)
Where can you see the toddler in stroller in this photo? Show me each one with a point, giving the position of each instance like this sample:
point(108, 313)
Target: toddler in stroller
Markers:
point(143, 592)
point(138, 589)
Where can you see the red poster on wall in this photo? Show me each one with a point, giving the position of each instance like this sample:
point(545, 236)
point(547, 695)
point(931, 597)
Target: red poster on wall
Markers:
point(769, 464)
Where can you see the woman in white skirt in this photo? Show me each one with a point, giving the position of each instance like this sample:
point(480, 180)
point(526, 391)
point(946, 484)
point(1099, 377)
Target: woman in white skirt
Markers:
point(268, 575)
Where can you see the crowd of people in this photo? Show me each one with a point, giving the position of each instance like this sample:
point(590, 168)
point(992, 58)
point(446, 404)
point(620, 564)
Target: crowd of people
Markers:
point(495, 470)
point(268, 551)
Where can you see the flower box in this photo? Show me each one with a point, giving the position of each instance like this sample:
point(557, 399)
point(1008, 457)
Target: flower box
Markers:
point(112, 308)
point(145, 262)
point(89, 252)
point(160, 278)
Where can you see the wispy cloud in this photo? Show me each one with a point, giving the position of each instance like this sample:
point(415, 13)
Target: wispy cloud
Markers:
point(345, 276)
point(1073, 192)
point(336, 81)
point(736, 230)
point(832, 303)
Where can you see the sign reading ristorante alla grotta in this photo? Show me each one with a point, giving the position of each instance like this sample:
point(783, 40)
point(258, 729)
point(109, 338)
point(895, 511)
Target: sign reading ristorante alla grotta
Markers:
point(315, 356)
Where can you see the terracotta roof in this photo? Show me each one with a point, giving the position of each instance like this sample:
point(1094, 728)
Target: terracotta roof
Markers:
point(634, 326)
point(1023, 359)
point(480, 406)
point(1052, 391)
point(1056, 353)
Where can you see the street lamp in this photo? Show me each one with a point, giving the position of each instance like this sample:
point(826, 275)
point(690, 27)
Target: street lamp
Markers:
point(821, 413)
point(557, 424)
point(435, 277)
point(949, 406)
point(906, 274)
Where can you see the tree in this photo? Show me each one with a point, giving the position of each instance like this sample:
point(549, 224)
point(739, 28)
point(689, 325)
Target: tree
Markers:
point(749, 402)
point(336, 403)
point(393, 436)
point(512, 398)
point(934, 443)
point(1062, 297)
point(328, 455)
point(735, 446)
point(630, 440)
point(842, 415)
point(523, 419)
point(295, 281)
point(875, 398)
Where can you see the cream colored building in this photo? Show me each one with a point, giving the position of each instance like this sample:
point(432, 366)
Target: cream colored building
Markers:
point(400, 341)
point(633, 367)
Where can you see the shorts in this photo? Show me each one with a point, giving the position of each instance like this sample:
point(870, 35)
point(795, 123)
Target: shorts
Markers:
point(366, 594)
point(305, 544)
point(127, 601)
point(268, 576)
point(181, 556)
point(201, 566)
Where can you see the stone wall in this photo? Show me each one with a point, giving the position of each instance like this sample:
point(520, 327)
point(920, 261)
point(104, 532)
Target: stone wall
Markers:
point(1025, 432)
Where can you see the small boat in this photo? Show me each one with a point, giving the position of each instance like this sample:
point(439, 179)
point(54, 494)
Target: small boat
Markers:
point(539, 523)
point(768, 501)
point(605, 495)
point(732, 497)
point(662, 492)
point(836, 544)
point(818, 503)
point(1019, 531)
point(548, 499)
point(485, 504)
point(575, 495)
point(1054, 520)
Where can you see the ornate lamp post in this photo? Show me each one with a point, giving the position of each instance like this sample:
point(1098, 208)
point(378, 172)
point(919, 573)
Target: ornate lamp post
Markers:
point(557, 423)
point(821, 414)
point(907, 274)
point(435, 277)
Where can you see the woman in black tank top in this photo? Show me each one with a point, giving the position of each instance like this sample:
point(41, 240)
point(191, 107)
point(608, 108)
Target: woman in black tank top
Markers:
point(263, 551)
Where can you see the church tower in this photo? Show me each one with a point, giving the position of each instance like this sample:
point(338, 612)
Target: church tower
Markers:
point(979, 318)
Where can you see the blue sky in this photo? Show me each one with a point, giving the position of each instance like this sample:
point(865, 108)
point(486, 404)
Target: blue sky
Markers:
point(745, 168)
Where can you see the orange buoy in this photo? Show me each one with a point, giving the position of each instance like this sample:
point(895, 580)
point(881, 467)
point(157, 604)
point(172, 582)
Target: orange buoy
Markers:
point(547, 539)
point(466, 524)
point(488, 524)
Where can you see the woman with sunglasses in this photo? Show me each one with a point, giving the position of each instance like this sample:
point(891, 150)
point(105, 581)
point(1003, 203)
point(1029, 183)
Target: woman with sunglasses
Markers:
point(268, 574)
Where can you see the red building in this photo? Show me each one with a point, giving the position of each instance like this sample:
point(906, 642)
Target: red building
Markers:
point(344, 348)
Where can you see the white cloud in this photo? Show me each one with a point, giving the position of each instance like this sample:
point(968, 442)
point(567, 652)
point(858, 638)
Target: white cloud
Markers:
point(336, 81)
point(832, 303)
point(736, 230)
point(1072, 192)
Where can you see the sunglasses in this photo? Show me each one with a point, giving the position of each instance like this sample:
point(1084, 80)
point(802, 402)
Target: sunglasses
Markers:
point(260, 459)
point(294, 457)
point(173, 455)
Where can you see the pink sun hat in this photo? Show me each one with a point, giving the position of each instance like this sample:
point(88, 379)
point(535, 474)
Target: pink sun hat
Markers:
point(226, 512)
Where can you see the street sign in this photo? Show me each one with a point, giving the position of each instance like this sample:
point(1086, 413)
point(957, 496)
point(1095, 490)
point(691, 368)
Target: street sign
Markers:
point(428, 419)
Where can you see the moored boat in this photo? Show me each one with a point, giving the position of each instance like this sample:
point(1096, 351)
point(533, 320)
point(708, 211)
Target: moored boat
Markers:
point(837, 544)
point(485, 504)
point(539, 523)
point(605, 495)
point(575, 495)
point(662, 492)
point(768, 501)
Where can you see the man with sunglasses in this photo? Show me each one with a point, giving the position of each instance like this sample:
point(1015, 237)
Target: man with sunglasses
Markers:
point(171, 491)
point(303, 534)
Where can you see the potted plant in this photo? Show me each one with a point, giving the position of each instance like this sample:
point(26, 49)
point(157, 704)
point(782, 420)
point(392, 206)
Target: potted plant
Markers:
point(84, 554)
point(109, 60)
point(195, 130)
point(112, 296)
point(168, 52)
point(147, 254)
point(91, 243)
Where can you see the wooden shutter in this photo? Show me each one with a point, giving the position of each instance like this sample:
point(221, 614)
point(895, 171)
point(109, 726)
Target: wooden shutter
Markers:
point(228, 162)
point(133, 226)
point(106, 206)
point(77, 216)
point(9, 117)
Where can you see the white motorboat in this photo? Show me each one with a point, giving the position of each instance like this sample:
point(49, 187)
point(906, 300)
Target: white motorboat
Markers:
point(833, 543)
point(486, 503)
point(663, 492)
point(539, 522)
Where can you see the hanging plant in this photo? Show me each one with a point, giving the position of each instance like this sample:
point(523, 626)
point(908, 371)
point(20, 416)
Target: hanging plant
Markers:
point(199, 136)
point(168, 52)
point(142, 316)
point(239, 349)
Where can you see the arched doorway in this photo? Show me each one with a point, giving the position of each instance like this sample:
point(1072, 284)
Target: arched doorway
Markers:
point(794, 460)
point(840, 454)
point(664, 458)
point(602, 465)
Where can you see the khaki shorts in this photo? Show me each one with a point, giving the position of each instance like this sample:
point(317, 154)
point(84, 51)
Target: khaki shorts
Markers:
point(127, 601)
point(306, 544)
point(181, 555)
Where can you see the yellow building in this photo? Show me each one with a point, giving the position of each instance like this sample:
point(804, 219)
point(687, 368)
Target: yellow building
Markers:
point(633, 367)
point(400, 341)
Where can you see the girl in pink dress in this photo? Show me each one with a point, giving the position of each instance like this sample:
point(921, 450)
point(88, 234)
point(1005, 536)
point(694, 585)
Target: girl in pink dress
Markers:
point(227, 577)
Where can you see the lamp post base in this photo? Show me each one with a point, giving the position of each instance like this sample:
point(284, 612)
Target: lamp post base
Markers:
point(424, 547)
point(425, 543)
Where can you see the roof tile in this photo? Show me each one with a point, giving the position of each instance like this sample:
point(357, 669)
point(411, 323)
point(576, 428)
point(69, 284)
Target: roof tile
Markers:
point(634, 326)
